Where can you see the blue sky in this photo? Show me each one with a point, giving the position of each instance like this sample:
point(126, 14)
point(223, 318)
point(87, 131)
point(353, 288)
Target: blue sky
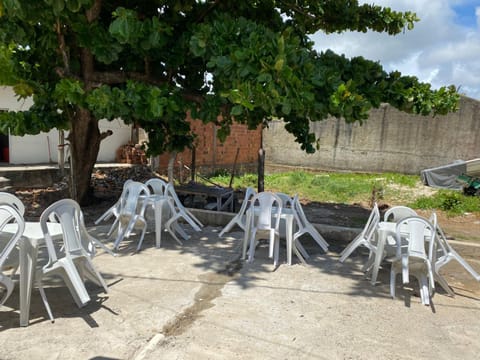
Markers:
point(443, 48)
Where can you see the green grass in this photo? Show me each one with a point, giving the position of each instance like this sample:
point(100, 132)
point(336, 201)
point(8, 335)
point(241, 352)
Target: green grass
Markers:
point(452, 202)
point(327, 187)
point(350, 188)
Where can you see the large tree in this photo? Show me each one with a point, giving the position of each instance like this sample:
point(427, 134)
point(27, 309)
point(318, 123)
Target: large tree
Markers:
point(152, 61)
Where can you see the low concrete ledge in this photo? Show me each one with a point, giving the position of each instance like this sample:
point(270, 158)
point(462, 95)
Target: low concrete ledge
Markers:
point(31, 176)
point(329, 232)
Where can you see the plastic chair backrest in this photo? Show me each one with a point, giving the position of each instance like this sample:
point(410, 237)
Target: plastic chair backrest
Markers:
point(441, 239)
point(269, 204)
point(129, 201)
point(287, 200)
point(298, 212)
point(372, 223)
point(68, 214)
point(156, 186)
point(9, 214)
point(415, 230)
point(396, 213)
point(170, 191)
point(10, 199)
point(249, 193)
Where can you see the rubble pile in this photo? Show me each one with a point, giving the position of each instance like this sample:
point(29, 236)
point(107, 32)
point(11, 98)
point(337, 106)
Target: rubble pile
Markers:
point(108, 182)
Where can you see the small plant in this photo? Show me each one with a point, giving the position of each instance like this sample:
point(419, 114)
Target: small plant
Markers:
point(377, 193)
point(454, 203)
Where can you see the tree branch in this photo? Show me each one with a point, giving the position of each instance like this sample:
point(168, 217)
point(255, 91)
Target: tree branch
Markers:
point(207, 11)
point(94, 12)
point(105, 134)
point(62, 47)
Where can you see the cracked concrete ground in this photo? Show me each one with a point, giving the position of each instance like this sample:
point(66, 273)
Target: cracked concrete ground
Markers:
point(199, 301)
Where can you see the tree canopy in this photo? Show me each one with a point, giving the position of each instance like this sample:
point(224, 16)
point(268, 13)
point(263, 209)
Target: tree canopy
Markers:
point(151, 62)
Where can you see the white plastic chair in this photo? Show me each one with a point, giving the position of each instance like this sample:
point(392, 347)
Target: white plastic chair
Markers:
point(74, 264)
point(264, 220)
point(178, 211)
point(114, 210)
point(365, 238)
point(240, 218)
point(287, 200)
point(11, 199)
point(443, 254)
point(412, 258)
point(305, 227)
point(156, 186)
point(396, 213)
point(131, 212)
point(8, 241)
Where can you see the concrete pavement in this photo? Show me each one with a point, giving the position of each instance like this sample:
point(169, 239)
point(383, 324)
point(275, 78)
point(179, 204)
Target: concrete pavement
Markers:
point(200, 301)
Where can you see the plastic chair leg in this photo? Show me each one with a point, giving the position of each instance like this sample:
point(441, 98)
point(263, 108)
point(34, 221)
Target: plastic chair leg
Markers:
point(168, 227)
point(393, 277)
point(466, 265)
point(74, 283)
point(230, 225)
point(443, 283)
point(351, 247)
point(45, 301)
point(8, 284)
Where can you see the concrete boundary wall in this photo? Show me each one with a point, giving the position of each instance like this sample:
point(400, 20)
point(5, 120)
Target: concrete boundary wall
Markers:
point(389, 141)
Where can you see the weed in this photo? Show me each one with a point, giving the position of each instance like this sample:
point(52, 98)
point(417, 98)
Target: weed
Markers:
point(452, 202)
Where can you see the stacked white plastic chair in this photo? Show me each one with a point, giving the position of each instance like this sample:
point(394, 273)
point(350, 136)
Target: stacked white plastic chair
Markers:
point(366, 236)
point(8, 241)
point(114, 210)
point(396, 213)
point(157, 186)
point(131, 213)
point(240, 218)
point(74, 263)
point(305, 227)
point(287, 200)
point(178, 212)
point(264, 217)
point(12, 200)
point(443, 254)
point(413, 235)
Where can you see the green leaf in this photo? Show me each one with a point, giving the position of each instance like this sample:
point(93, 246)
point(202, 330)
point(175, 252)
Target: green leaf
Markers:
point(73, 5)
point(58, 6)
point(264, 78)
point(237, 110)
point(23, 90)
point(279, 64)
point(286, 107)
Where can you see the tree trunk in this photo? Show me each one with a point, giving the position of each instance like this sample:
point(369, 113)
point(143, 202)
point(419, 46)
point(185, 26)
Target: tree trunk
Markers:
point(261, 170)
point(171, 166)
point(84, 141)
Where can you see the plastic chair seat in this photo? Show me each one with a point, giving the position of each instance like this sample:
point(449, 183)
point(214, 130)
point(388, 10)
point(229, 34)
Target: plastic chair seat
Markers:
point(413, 259)
point(74, 264)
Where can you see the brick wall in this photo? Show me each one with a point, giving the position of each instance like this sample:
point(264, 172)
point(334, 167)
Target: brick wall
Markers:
point(211, 154)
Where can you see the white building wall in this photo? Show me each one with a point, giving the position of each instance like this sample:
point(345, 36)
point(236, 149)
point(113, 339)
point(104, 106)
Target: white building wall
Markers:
point(43, 148)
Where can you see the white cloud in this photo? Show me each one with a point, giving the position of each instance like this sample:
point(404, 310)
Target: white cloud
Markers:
point(442, 49)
